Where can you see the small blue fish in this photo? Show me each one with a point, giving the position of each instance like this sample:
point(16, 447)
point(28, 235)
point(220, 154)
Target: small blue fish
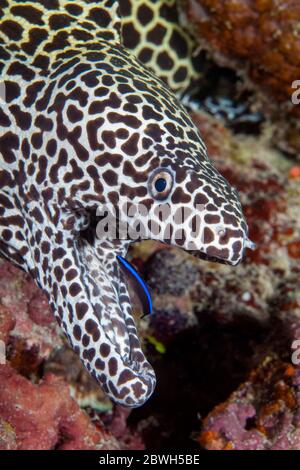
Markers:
point(138, 284)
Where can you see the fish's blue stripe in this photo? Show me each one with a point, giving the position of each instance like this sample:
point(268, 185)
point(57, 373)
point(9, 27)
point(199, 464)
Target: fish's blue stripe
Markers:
point(141, 282)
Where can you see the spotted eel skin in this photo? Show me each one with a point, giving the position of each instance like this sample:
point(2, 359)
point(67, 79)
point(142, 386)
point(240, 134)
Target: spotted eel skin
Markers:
point(152, 30)
point(84, 123)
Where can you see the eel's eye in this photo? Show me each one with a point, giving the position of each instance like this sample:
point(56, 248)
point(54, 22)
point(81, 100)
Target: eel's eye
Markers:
point(160, 185)
point(161, 182)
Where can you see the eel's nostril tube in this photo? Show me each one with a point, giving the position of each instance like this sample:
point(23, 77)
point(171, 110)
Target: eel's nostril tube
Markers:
point(249, 244)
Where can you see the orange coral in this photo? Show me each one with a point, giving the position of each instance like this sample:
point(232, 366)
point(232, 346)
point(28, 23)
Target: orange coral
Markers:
point(294, 172)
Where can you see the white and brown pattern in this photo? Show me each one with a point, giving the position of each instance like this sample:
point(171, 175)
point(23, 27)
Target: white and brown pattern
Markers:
point(84, 123)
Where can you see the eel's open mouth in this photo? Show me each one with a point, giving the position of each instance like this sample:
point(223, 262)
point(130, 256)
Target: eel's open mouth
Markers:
point(127, 377)
point(131, 275)
point(114, 355)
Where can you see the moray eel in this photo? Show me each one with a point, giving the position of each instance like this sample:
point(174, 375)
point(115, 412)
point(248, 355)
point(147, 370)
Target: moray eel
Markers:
point(84, 124)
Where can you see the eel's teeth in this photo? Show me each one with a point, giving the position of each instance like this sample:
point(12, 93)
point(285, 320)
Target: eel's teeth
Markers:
point(249, 244)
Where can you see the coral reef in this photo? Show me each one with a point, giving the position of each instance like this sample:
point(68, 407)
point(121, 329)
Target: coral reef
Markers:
point(35, 333)
point(262, 414)
point(221, 338)
point(44, 416)
point(260, 40)
point(262, 34)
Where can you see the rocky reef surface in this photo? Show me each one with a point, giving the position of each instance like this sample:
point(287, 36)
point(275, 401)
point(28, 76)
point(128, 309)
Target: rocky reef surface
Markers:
point(221, 339)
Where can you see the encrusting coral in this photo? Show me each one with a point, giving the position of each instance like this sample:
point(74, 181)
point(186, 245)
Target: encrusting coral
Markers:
point(260, 40)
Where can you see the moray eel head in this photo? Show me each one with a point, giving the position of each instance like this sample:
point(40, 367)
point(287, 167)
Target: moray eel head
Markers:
point(188, 204)
point(147, 166)
point(110, 137)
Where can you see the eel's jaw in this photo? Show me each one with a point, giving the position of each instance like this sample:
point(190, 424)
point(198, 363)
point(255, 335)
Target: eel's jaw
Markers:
point(133, 381)
point(247, 243)
point(92, 306)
